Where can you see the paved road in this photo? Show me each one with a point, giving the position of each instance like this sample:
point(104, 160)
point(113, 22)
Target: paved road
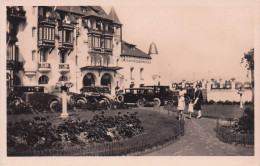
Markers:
point(200, 140)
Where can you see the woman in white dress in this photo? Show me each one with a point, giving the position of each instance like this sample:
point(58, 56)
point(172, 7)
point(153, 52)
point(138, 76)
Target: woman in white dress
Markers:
point(181, 104)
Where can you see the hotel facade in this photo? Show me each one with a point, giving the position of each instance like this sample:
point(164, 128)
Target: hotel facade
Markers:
point(79, 44)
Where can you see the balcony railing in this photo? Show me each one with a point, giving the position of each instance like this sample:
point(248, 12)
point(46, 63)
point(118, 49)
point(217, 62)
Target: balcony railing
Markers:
point(95, 50)
point(46, 43)
point(99, 50)
point(16, 13)
point(65, 25)
point(64, 68)
point(44, 67)
point(108, 51)
point(65, 45)
point(44, 20)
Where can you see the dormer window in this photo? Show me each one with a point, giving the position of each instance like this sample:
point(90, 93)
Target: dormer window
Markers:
point(132, 47)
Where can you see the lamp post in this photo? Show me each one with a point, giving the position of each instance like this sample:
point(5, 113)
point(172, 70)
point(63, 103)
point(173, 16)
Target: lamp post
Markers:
point(240, 92)
point(64, 86)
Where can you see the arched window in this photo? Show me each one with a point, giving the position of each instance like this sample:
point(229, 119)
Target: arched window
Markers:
point(43, 79)
point(63, 78)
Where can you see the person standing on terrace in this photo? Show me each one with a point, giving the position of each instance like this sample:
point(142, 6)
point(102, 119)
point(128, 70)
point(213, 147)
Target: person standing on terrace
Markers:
point(198, 99)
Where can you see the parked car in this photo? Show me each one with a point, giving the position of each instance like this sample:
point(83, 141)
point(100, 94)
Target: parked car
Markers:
point(139, 96)
point(163, 95)
point(91, 94)
point(34, 95)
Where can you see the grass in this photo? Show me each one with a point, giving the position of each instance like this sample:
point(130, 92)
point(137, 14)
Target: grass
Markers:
point(217, 111)
point(151, 120)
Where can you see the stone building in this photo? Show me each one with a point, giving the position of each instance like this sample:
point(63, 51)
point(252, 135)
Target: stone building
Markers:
point(80, 44)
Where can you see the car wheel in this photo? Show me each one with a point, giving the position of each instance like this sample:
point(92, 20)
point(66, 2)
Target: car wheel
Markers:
point(53, 105)
point(120, 98)
point(104, 103)
point(17, 102)
point(81, 101)
point(140, 103)
point(157, 102)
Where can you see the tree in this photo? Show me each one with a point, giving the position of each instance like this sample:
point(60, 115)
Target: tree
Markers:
point(248, 59)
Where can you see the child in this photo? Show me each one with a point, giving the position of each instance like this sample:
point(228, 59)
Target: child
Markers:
point(181, 104)
point(190, 109)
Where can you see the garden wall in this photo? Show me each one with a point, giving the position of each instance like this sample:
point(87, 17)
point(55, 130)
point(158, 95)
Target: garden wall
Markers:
point(230, 95)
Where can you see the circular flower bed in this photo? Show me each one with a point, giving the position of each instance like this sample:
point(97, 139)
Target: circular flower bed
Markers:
point(237, 131)
point(39, 133)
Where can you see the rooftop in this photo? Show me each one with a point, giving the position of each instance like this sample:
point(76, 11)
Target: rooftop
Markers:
point(129, 49)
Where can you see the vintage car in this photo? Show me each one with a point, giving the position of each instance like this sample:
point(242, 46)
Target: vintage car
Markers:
point(139, 96)
point(34, 95)
point(100, 94)
point(163, 95)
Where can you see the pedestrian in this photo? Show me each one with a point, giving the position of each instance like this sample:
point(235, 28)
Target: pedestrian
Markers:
point(190, 108)
point(198, 99)
point(181, 104)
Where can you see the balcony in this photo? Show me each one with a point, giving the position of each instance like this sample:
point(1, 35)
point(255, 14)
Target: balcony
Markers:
point(95, 30)
point(47, 21)
point(97, 50)
point(65, 25)
point(108, 51)
point(16, 13)
point(46, 43)
point(65, 46)
point(44, 67)
point(64, 68)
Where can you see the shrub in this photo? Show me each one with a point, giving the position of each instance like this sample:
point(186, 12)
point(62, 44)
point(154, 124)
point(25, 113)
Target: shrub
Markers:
point(227, 102)
point(20, 109)
point(31, 133)
point(245, 123)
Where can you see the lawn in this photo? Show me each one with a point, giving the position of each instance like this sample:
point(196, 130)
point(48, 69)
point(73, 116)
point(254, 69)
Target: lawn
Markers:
point(151, 120)
point(158, 129)
point(215, 111)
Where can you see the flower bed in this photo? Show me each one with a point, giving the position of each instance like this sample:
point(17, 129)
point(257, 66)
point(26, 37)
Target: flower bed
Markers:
point(118, 134)
point(237, 131)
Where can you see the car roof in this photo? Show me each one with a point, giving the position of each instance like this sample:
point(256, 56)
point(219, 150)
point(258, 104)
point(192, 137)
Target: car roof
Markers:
point(96, 86)
point(157, 86)
point(138, 88)
point(26, 86)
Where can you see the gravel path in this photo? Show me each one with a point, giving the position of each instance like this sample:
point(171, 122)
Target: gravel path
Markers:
point(200, 140)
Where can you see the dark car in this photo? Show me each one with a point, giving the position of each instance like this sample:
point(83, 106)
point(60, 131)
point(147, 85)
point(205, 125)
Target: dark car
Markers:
point(163, 95)
point(139, 96)
point(91, 94)
point(34, 95)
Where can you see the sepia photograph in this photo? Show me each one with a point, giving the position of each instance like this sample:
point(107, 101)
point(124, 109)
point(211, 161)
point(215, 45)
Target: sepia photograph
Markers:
point(133, 79)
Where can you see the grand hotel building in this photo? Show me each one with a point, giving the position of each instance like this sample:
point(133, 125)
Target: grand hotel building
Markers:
point(80, 44)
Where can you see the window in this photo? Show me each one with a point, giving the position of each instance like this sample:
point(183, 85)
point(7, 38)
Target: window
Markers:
point(45, 33)
point(43, 79)
point(63, 78)
point(131, 73)
point(62, 58)
point(33, 55)
point(96, 41)
point(10, 52)
point(33, 31)
point(141, 73)
point(68, 36)
point(108, 43)
point(43, 56)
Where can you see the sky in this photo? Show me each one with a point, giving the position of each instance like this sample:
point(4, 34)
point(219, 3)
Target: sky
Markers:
point(193, 41)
